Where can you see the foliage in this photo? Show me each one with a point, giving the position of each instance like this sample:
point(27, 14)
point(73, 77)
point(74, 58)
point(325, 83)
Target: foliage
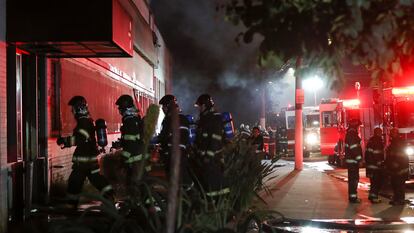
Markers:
point(377, 34)
point(247, 177)
point(145, 208)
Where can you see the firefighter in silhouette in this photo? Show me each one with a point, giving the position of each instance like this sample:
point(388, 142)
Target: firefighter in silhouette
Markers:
point(169, 107)
point(353, 155)
point(209, 146)
point(133, 153)
point(85, 162)
point(257, 140)
point(374, 160)
point(396, 163)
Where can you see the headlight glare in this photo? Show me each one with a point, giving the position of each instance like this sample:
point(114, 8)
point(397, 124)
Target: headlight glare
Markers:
point(311, 139)
point(409, 151)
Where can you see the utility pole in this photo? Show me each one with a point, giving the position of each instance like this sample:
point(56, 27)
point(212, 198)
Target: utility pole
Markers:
point(262, 120)
point(299, 101)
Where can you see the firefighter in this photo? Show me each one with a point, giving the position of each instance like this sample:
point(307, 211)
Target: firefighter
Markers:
point(209, 145)
point(169, 106)
point(397, 166)
point(257, 140)
point(133, 153)
point(374, 159)
point(353, 155)
point(85, 162)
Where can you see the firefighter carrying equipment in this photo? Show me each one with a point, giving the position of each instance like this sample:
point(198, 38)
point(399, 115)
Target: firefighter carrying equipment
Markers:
point(166, 141)
point(206, 100)
point(209, 145)
point(85, 163)
point(79, 106)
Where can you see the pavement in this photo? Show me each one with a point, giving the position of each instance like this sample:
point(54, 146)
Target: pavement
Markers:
point(314, 193)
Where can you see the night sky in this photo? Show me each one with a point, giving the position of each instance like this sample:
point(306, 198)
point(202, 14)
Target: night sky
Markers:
point(206, 59)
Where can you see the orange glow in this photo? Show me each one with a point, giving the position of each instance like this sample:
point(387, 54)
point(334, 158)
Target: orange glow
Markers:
point(403, 91)
point(352, 102)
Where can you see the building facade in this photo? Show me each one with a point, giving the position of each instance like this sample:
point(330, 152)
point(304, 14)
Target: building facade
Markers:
point(100, 54)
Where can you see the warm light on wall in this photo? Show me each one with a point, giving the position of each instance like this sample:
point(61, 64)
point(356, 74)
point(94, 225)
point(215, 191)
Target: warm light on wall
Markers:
point(352, 102)
point(403, 91)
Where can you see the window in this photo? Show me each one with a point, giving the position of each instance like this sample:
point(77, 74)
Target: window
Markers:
point(291, 122)
point(326, 119)
point(312, 121)
point(405, 117)
point(329, 119)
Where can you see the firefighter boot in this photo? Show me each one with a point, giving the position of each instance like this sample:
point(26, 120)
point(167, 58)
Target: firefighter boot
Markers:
point(355, 200)
point(374, 198)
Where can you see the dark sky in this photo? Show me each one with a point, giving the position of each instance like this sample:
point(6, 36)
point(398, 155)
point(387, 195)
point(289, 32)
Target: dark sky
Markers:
point(206, 59)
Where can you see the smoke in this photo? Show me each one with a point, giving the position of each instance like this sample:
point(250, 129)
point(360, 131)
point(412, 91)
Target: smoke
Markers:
point(206, 59)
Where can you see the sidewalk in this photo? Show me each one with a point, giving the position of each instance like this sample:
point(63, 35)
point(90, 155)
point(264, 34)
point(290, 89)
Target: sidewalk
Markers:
point(313, 194)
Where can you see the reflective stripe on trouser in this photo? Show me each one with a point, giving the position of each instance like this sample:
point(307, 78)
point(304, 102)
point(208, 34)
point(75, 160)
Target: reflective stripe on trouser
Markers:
point(137, 158)
point(373, 167)
point(353, 179)
point(218, 192)
point(95, 171)
point(84, 159)
point(353, 146)
point(79, 174)
point(131, 137)
point(106, 189)
point(351, 161)
point(216, 137)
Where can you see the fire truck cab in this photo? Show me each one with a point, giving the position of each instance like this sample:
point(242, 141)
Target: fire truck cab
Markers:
point(334, 115)
point(311, 130)
point(399, 113)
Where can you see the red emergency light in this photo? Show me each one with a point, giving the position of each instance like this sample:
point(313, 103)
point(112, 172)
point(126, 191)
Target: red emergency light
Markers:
point(403, 91)
point(351, 103)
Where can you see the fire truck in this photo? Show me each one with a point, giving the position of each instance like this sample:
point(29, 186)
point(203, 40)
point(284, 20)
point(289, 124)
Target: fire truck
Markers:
point(334, 116)
point(311, 129)
point(398, 112)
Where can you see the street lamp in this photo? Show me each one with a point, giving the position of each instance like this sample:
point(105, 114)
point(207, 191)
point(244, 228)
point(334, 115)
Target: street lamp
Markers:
point(313, 84)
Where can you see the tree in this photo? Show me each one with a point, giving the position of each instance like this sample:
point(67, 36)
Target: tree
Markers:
point(377, 34)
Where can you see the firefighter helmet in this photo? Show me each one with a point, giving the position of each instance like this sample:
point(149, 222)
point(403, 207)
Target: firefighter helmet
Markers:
point(77, 100)
point(167, 100)
point(125, 101)
point(79, 106)
point(206, 100)
point(126, 106)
